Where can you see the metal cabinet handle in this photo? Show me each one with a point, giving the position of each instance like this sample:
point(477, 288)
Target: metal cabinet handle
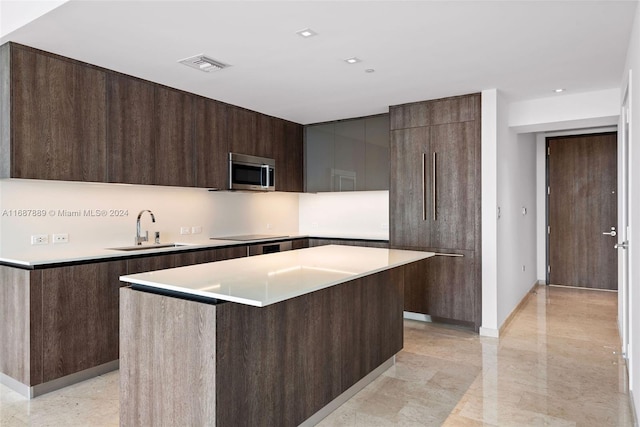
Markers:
point(611, 233)
point(433, 185)
point(424, 192)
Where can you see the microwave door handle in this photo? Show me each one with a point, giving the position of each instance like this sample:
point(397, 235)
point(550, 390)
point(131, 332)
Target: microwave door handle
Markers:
point(265, 170)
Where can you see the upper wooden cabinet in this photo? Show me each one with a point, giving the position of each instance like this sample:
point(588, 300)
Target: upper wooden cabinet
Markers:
point(440, 111)
point(131, 131)
point(57, 118)
point(288, 153)
point(243, 132)
point(174, 138)
point(65, 120)
point(211, 144)
point(348, 155)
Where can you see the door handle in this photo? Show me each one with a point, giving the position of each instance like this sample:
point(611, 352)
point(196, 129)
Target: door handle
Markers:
point(611, 233)
point(434, 188)
point(623, 245)
point(424, 191)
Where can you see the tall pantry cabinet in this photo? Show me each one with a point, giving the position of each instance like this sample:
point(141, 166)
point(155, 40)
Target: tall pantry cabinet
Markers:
point(435, 204)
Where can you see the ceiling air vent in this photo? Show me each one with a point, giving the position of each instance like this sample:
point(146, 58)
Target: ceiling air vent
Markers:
point(202, 63)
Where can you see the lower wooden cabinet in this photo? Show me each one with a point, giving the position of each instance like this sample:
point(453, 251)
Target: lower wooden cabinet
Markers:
point(444, 287)
point(62, 320)
point(79, 314)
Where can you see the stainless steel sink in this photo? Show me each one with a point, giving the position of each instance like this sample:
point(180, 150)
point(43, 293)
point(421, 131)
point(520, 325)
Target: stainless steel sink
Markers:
point(147, 247)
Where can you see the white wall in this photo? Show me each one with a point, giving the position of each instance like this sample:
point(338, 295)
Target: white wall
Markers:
point(566, 111)
point(359, 214)
point(516, 229)
point(218, 213)
point(489, 202)
point(633, 63)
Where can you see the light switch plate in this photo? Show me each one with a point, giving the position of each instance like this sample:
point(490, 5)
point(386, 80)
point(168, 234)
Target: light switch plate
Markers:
point(185, 230)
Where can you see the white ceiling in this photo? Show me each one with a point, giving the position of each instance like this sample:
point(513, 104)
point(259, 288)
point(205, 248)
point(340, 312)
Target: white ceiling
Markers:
point(419, 49)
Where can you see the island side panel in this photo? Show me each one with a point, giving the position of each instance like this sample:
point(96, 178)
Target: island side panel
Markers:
point(21, 325)
point(167, 360)
point(280, 364)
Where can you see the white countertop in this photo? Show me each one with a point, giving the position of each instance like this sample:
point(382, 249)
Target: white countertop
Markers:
point(267, 279)
point(61, 254)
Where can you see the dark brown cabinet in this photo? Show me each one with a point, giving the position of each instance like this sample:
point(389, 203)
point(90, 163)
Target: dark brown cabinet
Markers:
point(211, 144)
point(131, 131)
point(288, 154)
point(58, 122)
point(174, 138)
point(243, 132)
point(442, 286)
point(434, 173)
point(434, 203)
point(150, 134)
point(62, 320)
point(66, 120)
point(79, 317)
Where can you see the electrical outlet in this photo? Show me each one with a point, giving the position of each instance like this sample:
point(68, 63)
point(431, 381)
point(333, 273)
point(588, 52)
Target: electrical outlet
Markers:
point(60, 238)
point(314, 225)
point(268, 226)
point(40, 239)
point(196, 229)
point(185, 230)
point(384, 226)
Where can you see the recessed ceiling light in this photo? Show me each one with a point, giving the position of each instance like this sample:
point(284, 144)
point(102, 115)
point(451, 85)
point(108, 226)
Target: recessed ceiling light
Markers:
point(352, 60)
point(558, 90)
point(307, 32)
point(203, 63)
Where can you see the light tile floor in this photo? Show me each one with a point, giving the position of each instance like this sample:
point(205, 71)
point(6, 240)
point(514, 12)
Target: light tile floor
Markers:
point(556, 364)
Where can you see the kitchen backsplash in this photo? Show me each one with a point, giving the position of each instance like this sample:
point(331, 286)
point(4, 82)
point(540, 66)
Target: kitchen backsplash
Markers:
point(353, 214)
point(98, 215)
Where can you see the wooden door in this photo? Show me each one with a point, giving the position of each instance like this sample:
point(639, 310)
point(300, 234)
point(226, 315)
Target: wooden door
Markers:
point(408, 193)
point(582, 205)
point(452, 185)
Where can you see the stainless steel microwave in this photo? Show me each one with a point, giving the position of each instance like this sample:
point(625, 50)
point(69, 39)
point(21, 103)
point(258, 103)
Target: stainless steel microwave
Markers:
point(251, 173)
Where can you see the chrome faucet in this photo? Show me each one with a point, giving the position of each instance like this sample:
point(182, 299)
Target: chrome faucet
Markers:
point(139, 237)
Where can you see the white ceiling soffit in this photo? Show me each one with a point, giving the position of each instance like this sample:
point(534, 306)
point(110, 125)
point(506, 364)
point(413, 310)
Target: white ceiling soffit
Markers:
point(418, 49)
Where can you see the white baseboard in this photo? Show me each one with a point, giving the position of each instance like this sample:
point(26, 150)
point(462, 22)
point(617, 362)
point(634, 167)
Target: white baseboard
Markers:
point(489, 332)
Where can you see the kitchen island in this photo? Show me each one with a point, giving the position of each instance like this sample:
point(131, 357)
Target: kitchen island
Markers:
point(278, 339)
